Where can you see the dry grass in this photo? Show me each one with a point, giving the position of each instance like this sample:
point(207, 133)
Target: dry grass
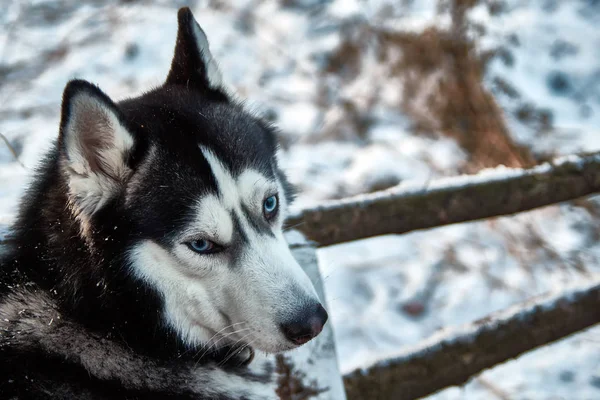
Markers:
point(290, 383)
point(444, 91)
point(442, 86)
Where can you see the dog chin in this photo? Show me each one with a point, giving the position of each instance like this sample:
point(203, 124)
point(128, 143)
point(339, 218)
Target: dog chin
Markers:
point(276, 348)
point(202, 335)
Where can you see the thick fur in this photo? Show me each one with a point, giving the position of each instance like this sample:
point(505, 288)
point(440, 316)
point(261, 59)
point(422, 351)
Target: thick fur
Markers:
point(100, 294)
point(47, 356)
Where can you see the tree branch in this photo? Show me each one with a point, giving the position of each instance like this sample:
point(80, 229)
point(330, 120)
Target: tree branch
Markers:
point(491, 193)
point(457, 355)
point(4, 240)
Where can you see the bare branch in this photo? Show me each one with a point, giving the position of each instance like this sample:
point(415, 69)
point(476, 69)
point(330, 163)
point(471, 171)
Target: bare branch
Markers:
point(11, 149)
point(459, 354)
point(4, 241)
point(491, 193)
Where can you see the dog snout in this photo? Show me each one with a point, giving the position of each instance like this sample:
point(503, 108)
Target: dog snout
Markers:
point(307, 324)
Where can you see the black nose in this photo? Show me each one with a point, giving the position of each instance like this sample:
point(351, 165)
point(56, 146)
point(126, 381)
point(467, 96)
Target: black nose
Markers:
point(307, 324)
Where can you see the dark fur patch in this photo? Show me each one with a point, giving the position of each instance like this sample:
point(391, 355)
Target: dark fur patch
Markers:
point(258, 222)
point(45, 355)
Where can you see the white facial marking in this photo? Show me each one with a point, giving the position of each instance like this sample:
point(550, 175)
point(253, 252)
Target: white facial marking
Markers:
point(227, 185)
point(249, 188)
point(254, 187)
point(213, 222)
point(241, 295)
point(188, 306)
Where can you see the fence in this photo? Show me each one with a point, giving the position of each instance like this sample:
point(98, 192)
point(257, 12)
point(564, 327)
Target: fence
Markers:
point(454, 357)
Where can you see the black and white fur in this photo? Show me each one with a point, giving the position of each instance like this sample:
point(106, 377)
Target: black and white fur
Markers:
point(101, 294)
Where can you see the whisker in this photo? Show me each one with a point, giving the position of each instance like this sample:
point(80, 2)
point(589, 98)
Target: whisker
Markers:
point(206, 348)
point(233, 351)
point(230, 334)
point(288, 228)
point(238, 351)
point(213, 345)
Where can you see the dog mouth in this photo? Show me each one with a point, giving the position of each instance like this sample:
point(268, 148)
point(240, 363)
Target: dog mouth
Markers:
point(235, 343)
point(239, 356)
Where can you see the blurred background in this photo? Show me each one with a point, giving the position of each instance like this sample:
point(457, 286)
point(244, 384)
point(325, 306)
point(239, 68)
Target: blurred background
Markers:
point(368, 94)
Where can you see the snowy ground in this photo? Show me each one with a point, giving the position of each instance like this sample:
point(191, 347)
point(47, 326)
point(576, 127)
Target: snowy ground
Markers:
point(274, 53)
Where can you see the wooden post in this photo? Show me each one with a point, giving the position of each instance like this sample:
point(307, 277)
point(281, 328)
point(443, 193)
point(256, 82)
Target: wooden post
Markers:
point(451, 358)
point(312, 371)
point(491, 193)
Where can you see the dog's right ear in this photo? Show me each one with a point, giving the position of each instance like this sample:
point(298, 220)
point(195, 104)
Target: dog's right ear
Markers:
point(94, 146)
point(193, 65)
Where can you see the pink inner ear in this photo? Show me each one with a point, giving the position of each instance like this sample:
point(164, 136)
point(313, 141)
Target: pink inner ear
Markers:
point(94, 129)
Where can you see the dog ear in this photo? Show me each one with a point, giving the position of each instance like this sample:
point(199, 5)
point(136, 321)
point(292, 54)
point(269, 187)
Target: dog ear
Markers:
point(193, 63)
point(94, 146)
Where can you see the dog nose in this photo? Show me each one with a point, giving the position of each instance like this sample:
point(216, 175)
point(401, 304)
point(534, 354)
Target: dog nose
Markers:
point(308, 324)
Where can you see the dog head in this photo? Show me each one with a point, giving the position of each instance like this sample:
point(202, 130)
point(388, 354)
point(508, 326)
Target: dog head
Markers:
point(193, 180)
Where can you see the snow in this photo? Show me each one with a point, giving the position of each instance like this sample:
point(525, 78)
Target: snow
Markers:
point(551, 372)
point(469, 332)
point(387, 293)
point(556, 39)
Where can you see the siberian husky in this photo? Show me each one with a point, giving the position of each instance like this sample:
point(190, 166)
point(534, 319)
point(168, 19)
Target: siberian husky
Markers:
point(148, 258)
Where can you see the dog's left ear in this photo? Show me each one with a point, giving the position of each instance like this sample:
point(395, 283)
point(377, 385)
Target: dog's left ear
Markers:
point(94, 144)
point(193, 64)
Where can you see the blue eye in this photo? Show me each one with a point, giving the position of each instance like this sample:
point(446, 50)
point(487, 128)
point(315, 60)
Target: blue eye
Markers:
point(270, 206)
point(202, 246)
